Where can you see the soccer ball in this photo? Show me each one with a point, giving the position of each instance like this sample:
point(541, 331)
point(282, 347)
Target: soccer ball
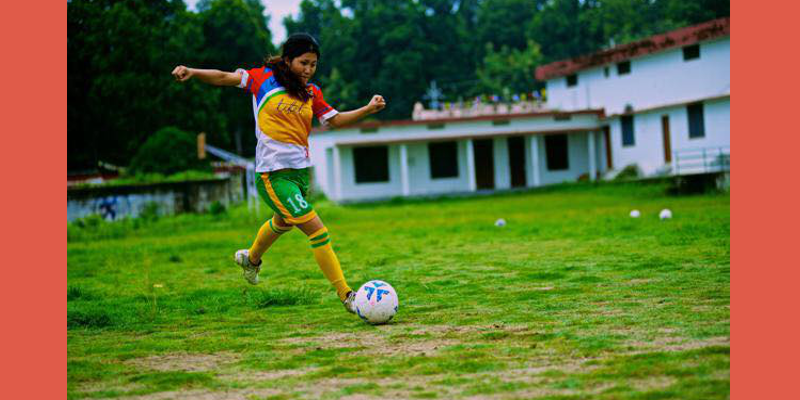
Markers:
point(376, 302)
point(500, 223)
point(635, 213)
point(665, 214)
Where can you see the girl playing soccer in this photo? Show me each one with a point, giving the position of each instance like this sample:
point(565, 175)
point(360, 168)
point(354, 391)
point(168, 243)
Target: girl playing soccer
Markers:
point(284, 103)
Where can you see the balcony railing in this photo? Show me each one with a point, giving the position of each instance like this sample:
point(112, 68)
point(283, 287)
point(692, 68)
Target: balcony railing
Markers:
point(701, 161)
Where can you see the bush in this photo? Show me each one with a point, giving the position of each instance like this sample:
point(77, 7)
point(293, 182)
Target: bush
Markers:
point(168, 151)
point(628, 173)
point(216, 208)
point(149, 212)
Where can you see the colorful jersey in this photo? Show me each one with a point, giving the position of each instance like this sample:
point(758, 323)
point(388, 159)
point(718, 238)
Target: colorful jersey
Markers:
point(282, 122)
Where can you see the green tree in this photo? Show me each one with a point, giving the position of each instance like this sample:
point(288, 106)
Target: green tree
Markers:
point(119, 87)
point(510, 70)
point(236, 36)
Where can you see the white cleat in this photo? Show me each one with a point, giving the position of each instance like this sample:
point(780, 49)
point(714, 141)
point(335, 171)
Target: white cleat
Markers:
point(249, 270)
point(350, 302)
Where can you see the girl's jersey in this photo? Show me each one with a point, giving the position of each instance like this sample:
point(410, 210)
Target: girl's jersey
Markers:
point(282, 122)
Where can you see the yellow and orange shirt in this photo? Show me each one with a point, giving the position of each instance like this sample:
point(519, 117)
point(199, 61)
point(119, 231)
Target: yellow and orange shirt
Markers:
point(282, 122)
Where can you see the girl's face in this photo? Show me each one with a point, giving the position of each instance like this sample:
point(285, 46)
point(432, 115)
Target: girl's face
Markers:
point(304, 66)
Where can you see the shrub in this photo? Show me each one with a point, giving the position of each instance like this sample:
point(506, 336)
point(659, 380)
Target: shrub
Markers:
point(168, 151)
point(216, 208)
point(629, 172)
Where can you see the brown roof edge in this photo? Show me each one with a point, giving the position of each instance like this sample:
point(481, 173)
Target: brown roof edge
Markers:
point(379, 124)
point(678, 38)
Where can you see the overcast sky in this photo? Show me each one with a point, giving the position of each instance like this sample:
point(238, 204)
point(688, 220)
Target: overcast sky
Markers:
point(276, 9)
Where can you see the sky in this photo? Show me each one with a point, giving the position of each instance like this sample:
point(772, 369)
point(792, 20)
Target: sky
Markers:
point(276, 9)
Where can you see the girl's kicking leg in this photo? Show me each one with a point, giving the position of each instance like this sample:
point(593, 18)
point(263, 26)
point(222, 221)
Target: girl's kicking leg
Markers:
point(328, 262)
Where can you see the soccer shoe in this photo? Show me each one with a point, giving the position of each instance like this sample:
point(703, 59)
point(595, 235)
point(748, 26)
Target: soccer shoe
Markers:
point(249, 270)
point(350, 302)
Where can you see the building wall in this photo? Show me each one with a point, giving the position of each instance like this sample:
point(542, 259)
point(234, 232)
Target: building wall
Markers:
point(654, 80)
point(352, 190)
point(321, 153)
point(648, 150)
point(419, 171)
point(578, 153)
point(118, 202)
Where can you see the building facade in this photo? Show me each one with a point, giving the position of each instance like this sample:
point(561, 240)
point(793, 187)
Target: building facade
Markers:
point(661, 104)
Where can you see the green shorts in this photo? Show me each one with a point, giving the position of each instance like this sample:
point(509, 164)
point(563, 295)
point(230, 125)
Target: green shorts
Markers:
point(285, 192)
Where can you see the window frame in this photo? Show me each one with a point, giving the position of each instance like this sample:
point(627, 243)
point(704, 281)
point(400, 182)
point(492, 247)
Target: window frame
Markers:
point(440, 147)
point(631, 131)
point(359, 177)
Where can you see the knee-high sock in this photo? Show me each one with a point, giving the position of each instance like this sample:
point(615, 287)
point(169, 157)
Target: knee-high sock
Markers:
point(328, 262)
point(267, 235)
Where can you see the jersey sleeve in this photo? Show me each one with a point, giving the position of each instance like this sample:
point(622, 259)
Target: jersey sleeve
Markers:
point(322, 110)
point(250, 79)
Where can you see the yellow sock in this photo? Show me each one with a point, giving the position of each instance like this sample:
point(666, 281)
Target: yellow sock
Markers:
point(328, 262)
point(267, 235)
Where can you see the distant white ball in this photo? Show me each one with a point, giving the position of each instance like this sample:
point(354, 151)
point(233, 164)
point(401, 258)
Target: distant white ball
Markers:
point(376, 302)
point(665, 213)
point(500, 222)
point(635, 213)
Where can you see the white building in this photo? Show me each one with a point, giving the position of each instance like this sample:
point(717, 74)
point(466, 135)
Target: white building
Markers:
point(666, 98)
point(662, 103)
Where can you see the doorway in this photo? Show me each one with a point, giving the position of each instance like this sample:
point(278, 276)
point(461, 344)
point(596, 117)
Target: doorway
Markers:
point(516, 160)
point(667, 143)
point(484, 163)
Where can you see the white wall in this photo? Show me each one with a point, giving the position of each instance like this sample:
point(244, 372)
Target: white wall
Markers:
point(502, 170)
point(352, 190)
point(654, 80)
point(419, 171)
point(648, 150)
point(578, 153)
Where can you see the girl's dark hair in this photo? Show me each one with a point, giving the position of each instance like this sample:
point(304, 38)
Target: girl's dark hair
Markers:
point(296, 45)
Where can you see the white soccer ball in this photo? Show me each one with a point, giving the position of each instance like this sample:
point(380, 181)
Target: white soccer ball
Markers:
point(376, 302)
point(500, 222)
point(665, 213)
point(635, 214)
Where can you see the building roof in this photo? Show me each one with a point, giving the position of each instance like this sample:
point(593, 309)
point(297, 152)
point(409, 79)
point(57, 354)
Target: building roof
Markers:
point(678, 38)
point(379, 124)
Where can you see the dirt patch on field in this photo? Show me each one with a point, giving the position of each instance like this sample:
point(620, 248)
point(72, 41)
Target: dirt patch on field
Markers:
point(371, 344)
point(185, 362)
point(260, 376)
point(677, 343)
point(238, 394)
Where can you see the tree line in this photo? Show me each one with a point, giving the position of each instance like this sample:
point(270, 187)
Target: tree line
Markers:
point(120, 53)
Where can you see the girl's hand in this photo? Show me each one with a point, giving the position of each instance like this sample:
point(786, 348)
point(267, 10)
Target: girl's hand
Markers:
point(181, 73)
point(377, 103)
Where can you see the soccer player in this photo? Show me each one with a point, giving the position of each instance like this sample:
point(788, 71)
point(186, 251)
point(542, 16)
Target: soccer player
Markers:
point(284, 102)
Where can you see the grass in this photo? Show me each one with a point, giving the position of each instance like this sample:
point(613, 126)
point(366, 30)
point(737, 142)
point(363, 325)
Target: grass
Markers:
point(572, 299)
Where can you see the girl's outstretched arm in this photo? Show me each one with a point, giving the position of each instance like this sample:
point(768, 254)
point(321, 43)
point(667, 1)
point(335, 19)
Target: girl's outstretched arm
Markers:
point(350, 117)
point(210, 76)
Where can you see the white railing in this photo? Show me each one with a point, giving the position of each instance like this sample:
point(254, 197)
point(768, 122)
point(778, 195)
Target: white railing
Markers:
point(701, 161)
point(253, 201)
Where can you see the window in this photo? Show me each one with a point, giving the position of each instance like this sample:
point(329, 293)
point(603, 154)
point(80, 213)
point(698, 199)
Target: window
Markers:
point(443, 158)
point(624, 68)
point(627, 130)
point(691, 52)
point(372, 164)
point(697, 128)
point(557, 152)
point(572, 80)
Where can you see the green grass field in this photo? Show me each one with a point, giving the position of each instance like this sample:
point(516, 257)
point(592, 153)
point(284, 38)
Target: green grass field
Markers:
point(572, 299)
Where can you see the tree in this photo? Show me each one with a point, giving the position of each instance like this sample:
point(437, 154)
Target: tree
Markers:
point(510, 70)
point(119, 87)
point(236, 36)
